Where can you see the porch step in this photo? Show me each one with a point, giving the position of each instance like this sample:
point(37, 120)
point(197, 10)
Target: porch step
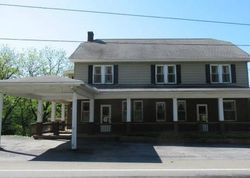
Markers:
point(65, 132)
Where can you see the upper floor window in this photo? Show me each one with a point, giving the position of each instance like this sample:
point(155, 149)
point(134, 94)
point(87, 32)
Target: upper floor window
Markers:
point(220, 73)
point(165, 74)
point(103, 74)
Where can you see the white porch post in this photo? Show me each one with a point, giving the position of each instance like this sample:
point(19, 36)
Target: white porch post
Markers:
point(175, 110)
point(74, 122)
point(63, 112)
point(128, 110)
point(1, 115)
point(39, 118)
point(91, 110)
point(53, 111)
point(221, 109)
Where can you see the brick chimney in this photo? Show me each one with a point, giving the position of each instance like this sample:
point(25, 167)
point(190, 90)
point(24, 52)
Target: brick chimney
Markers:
point(90, 36)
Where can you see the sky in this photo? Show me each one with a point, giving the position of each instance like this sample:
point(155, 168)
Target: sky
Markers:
point(48, 24)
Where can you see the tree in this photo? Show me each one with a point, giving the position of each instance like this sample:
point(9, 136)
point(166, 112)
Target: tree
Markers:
point(8, 63)
point(19, 113)
point(46, 61)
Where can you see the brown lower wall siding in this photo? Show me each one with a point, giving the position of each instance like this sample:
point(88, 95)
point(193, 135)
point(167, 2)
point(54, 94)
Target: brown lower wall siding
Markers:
point(212, 107)
point(149, 115)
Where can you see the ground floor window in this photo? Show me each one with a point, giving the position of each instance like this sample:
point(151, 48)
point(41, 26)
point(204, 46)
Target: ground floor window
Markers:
point(124, 111)
point(160, 111)
point(138, 110)
point(229, 110)
point(84, 111)
point(181, 110)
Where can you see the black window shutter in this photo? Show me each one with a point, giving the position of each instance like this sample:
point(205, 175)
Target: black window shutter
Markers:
point(178, 73)
point(207, 73)
point(152, 74)
point(115, 74)
point(90, 74)
point(233, 73)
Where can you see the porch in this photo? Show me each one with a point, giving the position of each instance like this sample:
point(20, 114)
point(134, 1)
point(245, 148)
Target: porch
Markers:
point(147, 128)
point(54, 89)
point(65, 91)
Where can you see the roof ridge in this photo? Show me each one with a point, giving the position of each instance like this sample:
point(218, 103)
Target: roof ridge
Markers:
point(157, 39)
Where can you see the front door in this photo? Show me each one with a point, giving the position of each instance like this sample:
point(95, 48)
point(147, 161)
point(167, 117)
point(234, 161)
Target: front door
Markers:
point(105, 120)
point(202, 116)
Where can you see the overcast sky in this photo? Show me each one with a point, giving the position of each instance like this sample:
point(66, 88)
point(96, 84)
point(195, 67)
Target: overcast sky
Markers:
point(47, 24)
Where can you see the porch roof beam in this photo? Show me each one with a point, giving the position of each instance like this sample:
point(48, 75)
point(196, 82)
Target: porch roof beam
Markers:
point(195, 93)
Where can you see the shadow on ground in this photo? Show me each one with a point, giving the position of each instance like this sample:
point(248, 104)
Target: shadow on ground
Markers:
point(98, 151)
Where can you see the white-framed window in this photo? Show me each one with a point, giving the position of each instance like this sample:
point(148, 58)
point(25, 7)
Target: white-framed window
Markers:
point(124, 111)
point(220, 73)
point(138, 110)
point(165, 74)
point(97, 74)
point(182, 110)
point(160, 111)
point(103, 74)
point(229, 110)
point(85, 111)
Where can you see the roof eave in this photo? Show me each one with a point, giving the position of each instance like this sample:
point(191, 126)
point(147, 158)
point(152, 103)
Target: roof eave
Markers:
point(243, 59)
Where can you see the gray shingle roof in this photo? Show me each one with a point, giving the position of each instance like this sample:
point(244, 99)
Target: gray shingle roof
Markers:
point(140, 50)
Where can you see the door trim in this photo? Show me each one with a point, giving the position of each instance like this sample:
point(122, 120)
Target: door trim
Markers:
point(101, 114)
point(197, 111)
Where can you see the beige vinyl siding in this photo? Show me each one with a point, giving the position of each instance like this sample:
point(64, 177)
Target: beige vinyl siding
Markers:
point(193, 73)
point(134, 73)
point(241, 74)
point(140, 73)
point(81, 72)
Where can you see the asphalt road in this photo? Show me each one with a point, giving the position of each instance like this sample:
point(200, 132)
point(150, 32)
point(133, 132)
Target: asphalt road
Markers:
point(24, 157)
point(126, 173)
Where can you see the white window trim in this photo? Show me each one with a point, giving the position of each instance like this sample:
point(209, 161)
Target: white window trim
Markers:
point(124, 119)
point(137, 101)
point(110, 114)
point(103, 67)
point(185, 108)
point(234, 102)
point(165, 73)
point(82, 103)
point(93, 75)
point(156, 109)
point(220, 73)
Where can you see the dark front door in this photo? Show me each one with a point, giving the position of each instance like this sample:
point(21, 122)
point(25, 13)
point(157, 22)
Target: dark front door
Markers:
point(105, 120)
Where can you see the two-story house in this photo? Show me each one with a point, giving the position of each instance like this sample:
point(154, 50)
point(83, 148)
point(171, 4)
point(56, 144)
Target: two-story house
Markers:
point(124, 86)
point(152, 85)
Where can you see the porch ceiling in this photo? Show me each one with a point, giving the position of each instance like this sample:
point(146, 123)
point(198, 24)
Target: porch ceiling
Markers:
point(50, 88)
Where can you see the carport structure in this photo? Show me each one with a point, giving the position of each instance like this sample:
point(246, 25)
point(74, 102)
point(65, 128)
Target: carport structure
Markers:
point(48, 88)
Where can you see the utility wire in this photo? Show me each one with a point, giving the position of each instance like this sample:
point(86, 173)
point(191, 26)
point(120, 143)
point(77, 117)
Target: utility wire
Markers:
point(127, 14)
point(113, 42)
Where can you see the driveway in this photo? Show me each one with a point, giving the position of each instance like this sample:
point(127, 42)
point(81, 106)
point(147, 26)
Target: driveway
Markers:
point(24, 157)
point(27, 149)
